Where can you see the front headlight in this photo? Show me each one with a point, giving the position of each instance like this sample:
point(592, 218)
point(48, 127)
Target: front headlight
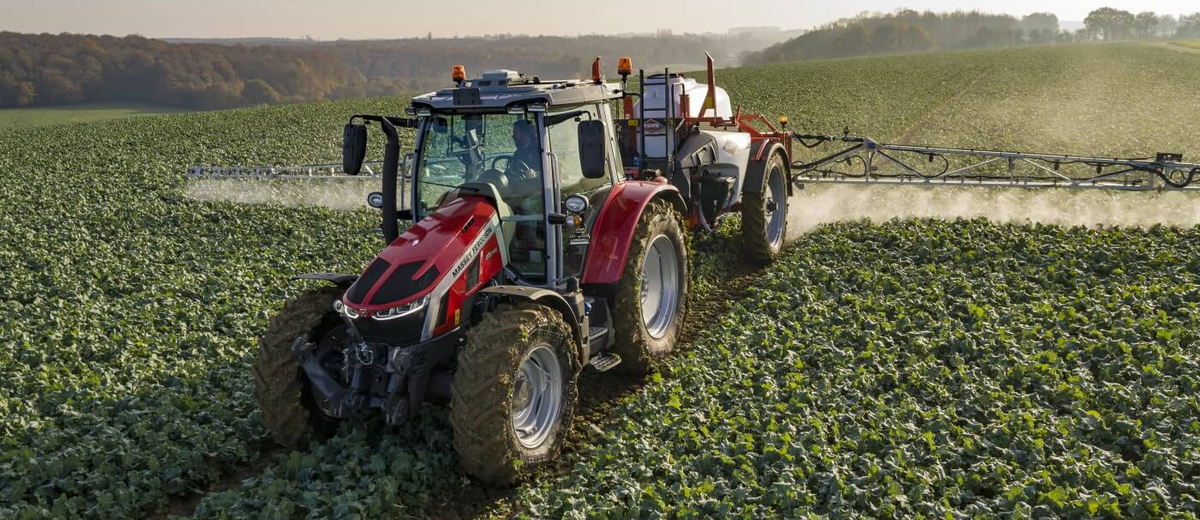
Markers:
point(401, 311)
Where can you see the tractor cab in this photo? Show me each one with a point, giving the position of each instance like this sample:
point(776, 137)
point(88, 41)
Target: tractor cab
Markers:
point(528, 146)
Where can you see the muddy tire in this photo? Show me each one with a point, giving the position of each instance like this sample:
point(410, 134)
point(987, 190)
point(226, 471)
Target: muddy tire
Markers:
point(505, 423)
point(764, 215)
point(648, 317)
point(285, 407)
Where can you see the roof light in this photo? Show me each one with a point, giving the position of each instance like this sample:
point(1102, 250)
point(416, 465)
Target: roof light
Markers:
point(516, 109)
point(537, 107)
point(458, 74)
point(624, 66)
point(410, 111)
point(424, 112)
point(596, 77)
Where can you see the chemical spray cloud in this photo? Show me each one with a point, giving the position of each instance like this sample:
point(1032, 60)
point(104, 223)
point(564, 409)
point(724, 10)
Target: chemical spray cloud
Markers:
point(824, 204)
point(339, 195)
point(818, 205)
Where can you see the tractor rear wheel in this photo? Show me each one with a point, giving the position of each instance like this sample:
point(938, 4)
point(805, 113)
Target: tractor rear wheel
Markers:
point(285, 405)
point(514, 392)
point(651, 298)
point(765, 214)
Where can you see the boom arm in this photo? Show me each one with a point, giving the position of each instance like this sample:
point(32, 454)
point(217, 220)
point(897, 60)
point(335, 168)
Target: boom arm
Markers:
point(865, 161)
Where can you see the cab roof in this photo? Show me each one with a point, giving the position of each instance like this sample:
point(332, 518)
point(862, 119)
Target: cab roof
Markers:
point(498, 89)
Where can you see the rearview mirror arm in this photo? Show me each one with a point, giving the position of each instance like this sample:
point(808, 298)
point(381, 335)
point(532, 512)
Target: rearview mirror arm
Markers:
point(391, 165)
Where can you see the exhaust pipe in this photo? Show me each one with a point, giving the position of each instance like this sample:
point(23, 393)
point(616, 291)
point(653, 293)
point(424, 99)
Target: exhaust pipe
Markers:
point(391, 167)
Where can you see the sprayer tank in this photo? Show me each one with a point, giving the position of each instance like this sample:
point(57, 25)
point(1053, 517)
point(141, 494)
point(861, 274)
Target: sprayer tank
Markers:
point(657, 108)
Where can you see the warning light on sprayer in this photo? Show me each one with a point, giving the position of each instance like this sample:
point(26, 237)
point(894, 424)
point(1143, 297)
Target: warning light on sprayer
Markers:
point(459, 73)
point(624, 66)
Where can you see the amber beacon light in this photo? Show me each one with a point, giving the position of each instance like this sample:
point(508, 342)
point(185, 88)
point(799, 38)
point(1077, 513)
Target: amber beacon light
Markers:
point(624, 66)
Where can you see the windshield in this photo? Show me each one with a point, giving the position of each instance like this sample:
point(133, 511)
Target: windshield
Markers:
point(481, 148)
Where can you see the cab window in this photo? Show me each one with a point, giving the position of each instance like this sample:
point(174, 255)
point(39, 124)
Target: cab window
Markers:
point(564, 143)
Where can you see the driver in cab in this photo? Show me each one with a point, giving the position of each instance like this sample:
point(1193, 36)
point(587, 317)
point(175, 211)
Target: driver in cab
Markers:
point(523, 171)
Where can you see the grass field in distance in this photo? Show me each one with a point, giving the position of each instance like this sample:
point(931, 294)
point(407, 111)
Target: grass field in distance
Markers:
point(53, 115)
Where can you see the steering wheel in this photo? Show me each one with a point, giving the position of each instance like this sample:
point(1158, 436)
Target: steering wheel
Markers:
point(507, 160)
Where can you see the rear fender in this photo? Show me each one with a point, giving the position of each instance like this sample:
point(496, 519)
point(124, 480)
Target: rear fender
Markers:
point(613, 231)
point(756, 172)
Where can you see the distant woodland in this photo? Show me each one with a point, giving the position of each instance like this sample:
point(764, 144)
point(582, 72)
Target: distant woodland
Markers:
point(46, 69)
point(912, 31)
point(62, 69)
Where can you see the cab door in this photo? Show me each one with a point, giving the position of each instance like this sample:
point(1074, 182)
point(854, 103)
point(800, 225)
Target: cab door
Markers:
point(563, 135)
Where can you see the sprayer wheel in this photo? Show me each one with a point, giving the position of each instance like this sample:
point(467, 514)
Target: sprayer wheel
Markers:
point(765, 214)
point(285, 407)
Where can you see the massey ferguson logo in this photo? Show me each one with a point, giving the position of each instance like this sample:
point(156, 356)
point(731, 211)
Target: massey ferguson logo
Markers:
point(476, 247)
point(654, 126)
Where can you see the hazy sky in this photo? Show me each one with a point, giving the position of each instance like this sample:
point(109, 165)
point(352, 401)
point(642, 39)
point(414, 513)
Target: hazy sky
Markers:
point(329, 19)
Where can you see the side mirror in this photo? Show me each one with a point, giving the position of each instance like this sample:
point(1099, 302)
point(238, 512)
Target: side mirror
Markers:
point(354, 148)
point(591, 149)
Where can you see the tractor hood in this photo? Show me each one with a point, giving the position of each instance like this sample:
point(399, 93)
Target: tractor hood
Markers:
point(430, 255)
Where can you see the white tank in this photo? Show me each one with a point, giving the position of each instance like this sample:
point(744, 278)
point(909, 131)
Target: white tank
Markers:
point(656, 107)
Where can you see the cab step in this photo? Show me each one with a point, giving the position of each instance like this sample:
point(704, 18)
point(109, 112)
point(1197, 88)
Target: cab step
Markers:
point(605, 362)
point(597, 334)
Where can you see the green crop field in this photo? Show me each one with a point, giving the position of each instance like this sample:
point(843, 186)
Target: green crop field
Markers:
point(906, 369)
point(55, 115)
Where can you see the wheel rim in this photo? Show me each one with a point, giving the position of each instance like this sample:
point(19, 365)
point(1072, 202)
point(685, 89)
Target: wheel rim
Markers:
point(660, 286)
point(776, 218)
point(537, 397)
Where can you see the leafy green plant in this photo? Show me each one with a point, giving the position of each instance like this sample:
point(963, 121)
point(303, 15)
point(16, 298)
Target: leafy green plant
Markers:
point(923, 369)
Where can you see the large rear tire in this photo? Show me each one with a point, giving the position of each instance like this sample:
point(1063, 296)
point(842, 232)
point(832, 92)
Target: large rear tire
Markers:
point(285, 408)
point(764, 214)
point(514, 392)
point(652, 296)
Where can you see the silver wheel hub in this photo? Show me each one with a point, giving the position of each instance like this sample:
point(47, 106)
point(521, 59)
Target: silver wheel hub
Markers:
point(537, 397)
point(660, 286)
point(776, 220)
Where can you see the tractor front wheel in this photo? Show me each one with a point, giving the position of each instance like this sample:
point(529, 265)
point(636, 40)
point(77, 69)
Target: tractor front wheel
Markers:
point(514, 392)
point(651, 299)
point(765, 214)
point(285, 405)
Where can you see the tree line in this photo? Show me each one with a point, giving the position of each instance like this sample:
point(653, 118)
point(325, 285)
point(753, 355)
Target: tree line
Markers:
point(912, 31)
point(44, 69)
point(1111, 24)
point(49, 69)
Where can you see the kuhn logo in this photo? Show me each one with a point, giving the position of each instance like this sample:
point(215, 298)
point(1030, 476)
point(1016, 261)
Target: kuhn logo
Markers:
point(654, 126)
point(475, 249)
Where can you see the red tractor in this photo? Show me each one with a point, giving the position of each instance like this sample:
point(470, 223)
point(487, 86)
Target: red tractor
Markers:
point(546, 236)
